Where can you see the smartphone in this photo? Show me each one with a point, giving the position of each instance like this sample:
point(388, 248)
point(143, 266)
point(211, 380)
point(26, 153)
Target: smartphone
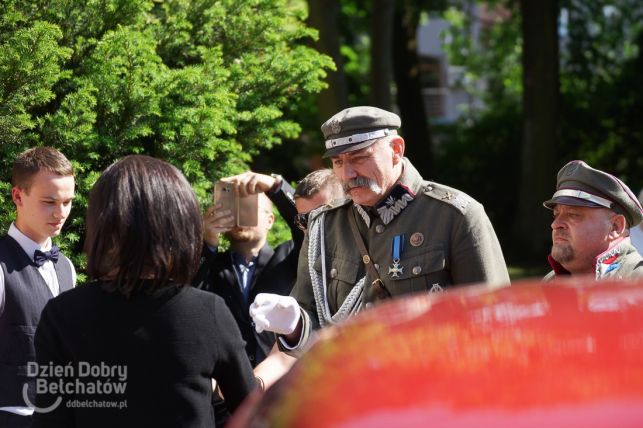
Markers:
point(225, 194)
point(248, 211)
point(245, 210)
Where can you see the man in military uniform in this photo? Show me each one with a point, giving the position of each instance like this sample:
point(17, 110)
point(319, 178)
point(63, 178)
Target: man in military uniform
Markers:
point(397, 234)
point(593, 212)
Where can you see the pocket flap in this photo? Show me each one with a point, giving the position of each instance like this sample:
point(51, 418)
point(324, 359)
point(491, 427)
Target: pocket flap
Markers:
point(421, 264)
point(340, 268)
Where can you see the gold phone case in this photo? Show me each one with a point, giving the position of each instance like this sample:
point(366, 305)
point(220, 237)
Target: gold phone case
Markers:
point(244, 210)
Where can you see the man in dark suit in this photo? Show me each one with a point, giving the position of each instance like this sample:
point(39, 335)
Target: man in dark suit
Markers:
point(32, 271)
point(250, 266)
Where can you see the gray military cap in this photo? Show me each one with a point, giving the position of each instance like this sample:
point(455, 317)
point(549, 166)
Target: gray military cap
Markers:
point(355, 128)
point(581, 185)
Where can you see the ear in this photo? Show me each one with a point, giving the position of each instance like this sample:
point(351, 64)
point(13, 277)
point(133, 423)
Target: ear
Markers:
point(618, 226)
point(397, 144)
point(16, 195)
point(270, 220)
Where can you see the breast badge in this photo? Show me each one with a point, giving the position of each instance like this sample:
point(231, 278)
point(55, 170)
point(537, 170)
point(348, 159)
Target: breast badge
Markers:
point(416, 239)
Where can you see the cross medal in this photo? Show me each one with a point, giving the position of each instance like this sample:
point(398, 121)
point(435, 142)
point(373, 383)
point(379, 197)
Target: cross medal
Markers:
point(396, 270)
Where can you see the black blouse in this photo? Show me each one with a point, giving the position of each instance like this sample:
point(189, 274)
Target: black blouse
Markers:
point(146, 360)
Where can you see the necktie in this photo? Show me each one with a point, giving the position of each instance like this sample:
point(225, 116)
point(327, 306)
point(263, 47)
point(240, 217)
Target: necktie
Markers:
point(244, 274)
point(40, 257)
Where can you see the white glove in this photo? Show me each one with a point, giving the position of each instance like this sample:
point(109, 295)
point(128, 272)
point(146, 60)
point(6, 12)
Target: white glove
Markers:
point(276, 313)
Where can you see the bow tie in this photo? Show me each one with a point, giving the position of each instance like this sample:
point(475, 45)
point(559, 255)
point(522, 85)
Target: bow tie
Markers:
point(40, 257)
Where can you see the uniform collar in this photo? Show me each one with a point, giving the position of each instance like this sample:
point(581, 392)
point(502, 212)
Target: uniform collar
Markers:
point(604, 263)
point(411, 178)
point(557, 267)
point(611, 259)
point(397, 199)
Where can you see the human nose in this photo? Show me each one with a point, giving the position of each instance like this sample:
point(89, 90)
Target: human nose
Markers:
point(557, 223)
point(61, 211)
point(348, 172)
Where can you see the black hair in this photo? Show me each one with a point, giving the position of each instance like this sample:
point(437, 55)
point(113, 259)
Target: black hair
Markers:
point(143, 226)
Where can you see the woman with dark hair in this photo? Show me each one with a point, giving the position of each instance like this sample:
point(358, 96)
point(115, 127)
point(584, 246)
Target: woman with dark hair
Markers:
point(137, 346)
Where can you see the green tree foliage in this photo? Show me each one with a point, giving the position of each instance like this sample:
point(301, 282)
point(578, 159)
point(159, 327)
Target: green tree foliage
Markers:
point(204, 84)
point(601, 97)
point(602, 87)
point(480, 153)
point(489, 52)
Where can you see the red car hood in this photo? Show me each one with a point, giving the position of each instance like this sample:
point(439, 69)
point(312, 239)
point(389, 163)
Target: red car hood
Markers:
point(565, 353)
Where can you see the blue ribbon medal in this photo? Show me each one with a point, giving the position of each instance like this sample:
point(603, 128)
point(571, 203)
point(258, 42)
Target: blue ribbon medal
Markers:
point(395, 270)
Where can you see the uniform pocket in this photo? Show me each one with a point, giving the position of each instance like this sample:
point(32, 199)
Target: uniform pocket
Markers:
point(421, 272)
point(423, 264)
point(342, 273)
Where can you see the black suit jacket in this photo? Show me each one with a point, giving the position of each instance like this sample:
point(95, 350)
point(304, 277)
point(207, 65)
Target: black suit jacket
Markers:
point(275, 272)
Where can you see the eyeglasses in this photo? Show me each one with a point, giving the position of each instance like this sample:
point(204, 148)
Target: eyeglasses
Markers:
point(301, 221)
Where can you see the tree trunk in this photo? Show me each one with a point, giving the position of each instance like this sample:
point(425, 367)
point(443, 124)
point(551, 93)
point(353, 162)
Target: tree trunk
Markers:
point(540, 138)
point(323, 15)
point(415, 126)
point(381, 54)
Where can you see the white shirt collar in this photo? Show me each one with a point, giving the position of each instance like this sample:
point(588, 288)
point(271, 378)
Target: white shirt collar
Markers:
point(28, 246)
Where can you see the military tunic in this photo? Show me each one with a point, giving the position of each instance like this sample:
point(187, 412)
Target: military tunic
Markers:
point(620, 261)
point(445, 238)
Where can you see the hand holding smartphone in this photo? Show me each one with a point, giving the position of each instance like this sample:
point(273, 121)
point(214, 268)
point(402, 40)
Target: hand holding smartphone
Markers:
point(245, 209)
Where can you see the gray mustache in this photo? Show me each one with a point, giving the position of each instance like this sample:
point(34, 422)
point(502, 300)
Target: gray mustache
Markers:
point(361, 182)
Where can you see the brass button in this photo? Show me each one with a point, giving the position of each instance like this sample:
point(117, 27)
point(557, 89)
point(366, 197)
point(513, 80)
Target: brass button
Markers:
point(366, 259)
point(380, 228)
point(333, 273)
point(416, 270)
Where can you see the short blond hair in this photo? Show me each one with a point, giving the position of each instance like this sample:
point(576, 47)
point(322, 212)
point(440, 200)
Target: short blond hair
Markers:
point(32, 161)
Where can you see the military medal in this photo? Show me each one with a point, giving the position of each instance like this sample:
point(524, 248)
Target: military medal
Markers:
point(395, 270)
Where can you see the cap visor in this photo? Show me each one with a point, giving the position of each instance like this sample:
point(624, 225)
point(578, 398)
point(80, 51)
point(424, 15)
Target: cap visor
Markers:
point(348, 148)
point(569, 200)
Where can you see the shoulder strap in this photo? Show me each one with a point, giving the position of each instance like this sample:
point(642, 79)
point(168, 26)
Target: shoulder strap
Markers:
point(448, 195)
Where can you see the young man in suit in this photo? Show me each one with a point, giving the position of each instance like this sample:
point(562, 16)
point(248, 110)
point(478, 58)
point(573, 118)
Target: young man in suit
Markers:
point(251, 266)
point(32, 270)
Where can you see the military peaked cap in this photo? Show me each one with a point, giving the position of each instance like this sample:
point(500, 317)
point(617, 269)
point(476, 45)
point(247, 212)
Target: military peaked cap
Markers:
point(581, 185)
point(355, 128)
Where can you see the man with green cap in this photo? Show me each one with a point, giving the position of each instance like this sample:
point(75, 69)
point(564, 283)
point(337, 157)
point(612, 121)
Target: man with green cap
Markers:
point(593, 212)
point(397, 234)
